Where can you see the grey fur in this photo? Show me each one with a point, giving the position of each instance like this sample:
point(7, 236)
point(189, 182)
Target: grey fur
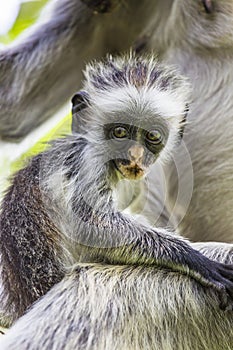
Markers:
point(203, 52)
point(126, 308)
point(211, 156)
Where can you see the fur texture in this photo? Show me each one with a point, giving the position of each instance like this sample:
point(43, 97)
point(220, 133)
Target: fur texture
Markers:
point(128, 308)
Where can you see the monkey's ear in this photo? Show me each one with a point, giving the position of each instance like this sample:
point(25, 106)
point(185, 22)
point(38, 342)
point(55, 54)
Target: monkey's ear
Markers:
point(181, 131)
point(79, 103)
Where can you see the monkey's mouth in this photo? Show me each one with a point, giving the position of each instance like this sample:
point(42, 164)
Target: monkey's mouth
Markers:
point(130, 170)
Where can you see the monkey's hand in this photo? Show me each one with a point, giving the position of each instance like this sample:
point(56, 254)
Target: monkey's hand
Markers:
point(175, 253)
point(220, 277)
point(214, 275)
point(151, 246)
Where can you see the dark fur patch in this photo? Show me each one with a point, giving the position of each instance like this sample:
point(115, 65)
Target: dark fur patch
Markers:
point(135, 71)
point(29, 242)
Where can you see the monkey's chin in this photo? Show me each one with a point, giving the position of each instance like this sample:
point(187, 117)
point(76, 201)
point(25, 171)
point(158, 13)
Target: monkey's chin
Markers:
point(130, 172)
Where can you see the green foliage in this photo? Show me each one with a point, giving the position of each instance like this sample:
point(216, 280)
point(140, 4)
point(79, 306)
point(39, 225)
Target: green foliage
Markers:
point(61, 129)
point(28, 14)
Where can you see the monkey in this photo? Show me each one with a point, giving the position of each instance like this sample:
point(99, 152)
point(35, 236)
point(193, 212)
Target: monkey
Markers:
point(197, 39)
point(60, 209)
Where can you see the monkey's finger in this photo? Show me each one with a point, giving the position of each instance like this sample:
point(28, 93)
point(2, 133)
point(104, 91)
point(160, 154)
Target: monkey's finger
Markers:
point(224, 301)
point(225, 294)
point(225, 286)
point(229, 288)
point(226, 271)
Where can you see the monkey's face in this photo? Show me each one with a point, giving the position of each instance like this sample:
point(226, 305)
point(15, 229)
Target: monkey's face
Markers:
point(134, 148)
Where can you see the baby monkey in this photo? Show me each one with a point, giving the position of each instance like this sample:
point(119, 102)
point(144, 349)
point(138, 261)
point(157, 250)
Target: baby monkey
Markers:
point(60, 209)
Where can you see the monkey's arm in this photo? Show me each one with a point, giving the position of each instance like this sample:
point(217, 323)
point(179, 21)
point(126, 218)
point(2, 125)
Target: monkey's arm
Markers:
point(39, 73)
point(99, 307)
point(125, 241)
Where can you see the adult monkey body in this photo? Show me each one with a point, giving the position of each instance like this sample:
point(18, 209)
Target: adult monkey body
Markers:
point(207, 45)
point(101, 307)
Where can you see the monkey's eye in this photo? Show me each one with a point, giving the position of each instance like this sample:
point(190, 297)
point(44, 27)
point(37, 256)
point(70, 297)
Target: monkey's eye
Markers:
point(154, 136)
point(119, 132)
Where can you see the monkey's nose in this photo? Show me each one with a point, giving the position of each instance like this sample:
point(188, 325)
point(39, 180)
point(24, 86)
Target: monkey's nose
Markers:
point(136, 153)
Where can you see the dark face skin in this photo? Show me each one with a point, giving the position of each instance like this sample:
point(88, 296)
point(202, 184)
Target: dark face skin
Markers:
point(135, 148)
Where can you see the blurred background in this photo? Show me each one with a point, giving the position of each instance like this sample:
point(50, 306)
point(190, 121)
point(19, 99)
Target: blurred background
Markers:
point(17, 15)
point(16, 18)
